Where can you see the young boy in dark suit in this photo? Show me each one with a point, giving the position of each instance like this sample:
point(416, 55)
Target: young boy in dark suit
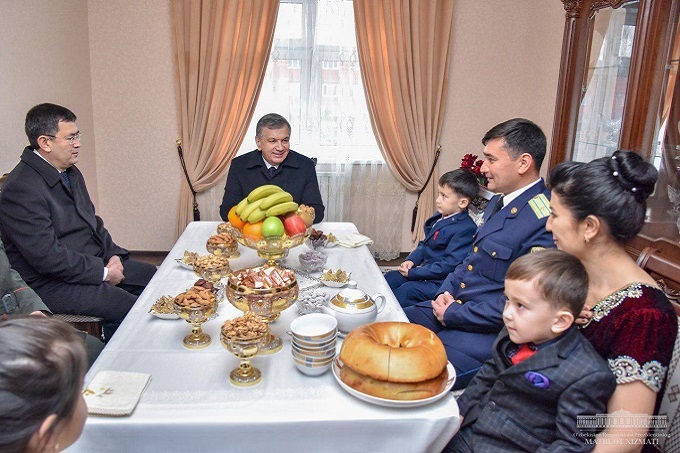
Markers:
point(448, 239)
point(544, 373)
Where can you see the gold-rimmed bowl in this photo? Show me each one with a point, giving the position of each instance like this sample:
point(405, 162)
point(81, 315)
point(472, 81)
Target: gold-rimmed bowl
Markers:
point(196, 307)
point(245, 375)
point(265, 302)
point(271, 248)
point(212, 268)
point(223, 244)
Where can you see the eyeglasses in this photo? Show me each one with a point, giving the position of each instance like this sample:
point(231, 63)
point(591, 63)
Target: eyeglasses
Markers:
point(72, 139)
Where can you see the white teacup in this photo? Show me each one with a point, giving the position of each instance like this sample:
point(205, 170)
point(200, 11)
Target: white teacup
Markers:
point(314, 328)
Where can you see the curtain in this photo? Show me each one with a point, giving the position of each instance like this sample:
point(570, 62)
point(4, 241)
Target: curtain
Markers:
point(366, 194)
point(221, 53)
point(404, 48)
point(601, 108)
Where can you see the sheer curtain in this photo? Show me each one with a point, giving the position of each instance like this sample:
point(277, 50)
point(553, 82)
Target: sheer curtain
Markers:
point(601, 109)
point(313, 79)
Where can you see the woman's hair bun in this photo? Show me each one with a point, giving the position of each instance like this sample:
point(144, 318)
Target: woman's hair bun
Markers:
point(634, 173)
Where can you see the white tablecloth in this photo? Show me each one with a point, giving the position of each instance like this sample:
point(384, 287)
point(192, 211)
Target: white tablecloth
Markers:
point(190, 404)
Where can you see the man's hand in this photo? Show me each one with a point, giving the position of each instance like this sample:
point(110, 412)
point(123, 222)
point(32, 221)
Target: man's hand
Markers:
point(440, 304)
point(404, 267)
point(115, 267)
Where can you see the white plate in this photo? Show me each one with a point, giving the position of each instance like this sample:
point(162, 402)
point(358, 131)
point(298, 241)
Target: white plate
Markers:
point(334, 284)
point(395, 403)
point(184, 265)
point(165, 315)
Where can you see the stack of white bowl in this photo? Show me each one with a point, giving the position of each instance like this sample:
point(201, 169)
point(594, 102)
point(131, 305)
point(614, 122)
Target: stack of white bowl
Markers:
point(314, 340)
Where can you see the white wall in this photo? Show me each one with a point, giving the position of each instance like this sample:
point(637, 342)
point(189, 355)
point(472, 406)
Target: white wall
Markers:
point(111, 62)
point(45, 57)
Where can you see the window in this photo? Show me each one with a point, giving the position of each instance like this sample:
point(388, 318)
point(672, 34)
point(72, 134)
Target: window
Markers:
point(313, 79)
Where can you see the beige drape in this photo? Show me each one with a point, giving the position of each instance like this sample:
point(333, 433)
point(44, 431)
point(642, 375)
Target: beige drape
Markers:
point(221, 53)
point(404, 48)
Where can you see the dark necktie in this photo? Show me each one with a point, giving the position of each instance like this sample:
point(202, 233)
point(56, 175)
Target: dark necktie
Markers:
point(272, 170)
point(64, 176)
point(524, 352)
point(497, 207)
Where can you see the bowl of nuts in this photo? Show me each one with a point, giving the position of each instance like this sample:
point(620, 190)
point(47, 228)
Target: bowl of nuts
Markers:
point(196, 306)
point(164, 308)
point(312, 260)
point(212, 267)
point(223, 244)
point(264, 290)
point(244, 337)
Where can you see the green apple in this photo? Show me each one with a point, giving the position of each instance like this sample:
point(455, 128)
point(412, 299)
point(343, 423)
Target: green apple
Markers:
point(272, 227)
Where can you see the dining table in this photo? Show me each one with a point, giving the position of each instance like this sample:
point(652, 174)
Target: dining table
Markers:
point(190, 404)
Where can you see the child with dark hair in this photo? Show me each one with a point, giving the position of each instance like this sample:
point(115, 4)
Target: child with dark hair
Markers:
point(41, 375)
point(544, 374)
point(448, 239)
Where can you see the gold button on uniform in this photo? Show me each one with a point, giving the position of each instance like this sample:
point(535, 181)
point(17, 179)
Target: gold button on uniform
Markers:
point(475, 249)
point(470, 267)
point(493, 253)
point(462, 285)
point(458, 301)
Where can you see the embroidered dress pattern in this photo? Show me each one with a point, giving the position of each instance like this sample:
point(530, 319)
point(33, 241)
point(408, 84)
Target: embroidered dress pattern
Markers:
point(606, 305)
point(627, 369)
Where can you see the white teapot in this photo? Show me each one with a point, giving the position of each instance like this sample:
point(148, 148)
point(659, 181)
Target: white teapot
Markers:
point(352, 307)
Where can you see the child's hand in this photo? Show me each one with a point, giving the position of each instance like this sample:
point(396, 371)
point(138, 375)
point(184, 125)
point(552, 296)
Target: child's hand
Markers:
point(404, 267)
point(440, 304)
point(584, 317)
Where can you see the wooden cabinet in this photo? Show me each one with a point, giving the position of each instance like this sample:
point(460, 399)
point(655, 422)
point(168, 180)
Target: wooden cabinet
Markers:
point(618, 89)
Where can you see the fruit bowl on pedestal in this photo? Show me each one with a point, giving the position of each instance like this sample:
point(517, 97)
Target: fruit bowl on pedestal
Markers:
point(269, 248)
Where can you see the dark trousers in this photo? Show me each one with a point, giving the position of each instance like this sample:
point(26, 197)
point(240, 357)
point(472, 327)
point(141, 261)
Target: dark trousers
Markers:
point(104, 300)
point(467, 351)
point(410, 292)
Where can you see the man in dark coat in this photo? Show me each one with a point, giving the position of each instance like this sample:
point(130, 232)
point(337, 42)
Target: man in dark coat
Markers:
point(51, 233)
point(273, 162)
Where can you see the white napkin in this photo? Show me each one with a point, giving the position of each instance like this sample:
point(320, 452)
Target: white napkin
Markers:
point(354, 240)
point(115, 392)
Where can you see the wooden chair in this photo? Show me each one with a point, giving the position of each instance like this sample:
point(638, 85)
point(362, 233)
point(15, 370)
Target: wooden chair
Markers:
point(666, 271)
point(90, 324)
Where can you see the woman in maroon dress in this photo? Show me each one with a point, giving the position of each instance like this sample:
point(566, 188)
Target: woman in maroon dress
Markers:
point(597, 207)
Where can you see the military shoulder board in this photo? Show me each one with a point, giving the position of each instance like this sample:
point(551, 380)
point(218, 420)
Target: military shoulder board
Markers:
point(540, 205)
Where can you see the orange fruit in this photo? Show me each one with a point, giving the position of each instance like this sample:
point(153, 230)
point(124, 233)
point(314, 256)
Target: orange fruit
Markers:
point(253, 230)
point(234, 219)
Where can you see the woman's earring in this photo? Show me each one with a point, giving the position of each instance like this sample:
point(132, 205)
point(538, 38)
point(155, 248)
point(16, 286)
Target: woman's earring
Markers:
point(585, 238)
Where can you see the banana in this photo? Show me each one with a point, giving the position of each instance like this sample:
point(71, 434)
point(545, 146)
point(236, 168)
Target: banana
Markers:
point(274, 199)
point(250, 209)
point(256, 216)
point(262, 192)
point(241, 206)
point(282, 208)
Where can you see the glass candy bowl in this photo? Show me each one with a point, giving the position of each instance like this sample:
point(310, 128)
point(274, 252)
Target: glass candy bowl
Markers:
point(245, 291)
point(196, 306)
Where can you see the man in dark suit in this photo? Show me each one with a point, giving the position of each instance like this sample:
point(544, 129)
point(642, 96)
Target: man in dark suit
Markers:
point(52, 235)
point(466, 314)
point(273, 162)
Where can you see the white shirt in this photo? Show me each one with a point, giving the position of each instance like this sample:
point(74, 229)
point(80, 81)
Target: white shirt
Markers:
point(507, 199)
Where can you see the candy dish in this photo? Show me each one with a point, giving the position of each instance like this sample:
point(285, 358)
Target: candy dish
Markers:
point(164, 308)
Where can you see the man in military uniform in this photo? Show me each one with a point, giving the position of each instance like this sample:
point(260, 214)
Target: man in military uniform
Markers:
point(467, 313)
point(19, 299)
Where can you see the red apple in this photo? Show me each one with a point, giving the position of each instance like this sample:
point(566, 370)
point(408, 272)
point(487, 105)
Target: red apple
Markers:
point(294, 225)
